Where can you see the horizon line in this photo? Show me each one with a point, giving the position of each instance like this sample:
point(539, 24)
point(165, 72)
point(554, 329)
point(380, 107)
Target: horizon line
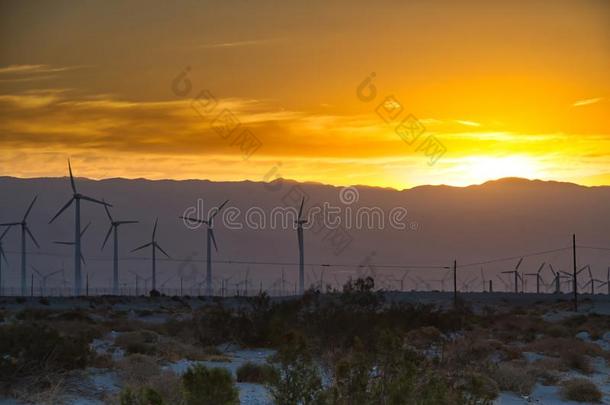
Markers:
point(500, 179)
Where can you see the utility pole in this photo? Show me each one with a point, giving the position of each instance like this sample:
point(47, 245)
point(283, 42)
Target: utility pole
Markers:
point(491, 288)
point(455, 283)
point(575, 283)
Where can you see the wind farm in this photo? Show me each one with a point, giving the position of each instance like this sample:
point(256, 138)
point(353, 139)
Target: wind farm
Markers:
point(305, 203)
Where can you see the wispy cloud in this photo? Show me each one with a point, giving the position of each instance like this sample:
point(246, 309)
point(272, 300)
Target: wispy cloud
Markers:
point(588, 101)
point(31, 71)
point(236, 44)
point(468, 123)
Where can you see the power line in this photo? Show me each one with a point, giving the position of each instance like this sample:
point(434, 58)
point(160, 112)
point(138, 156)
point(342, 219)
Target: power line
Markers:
point(593, 247)
point(252, 262)
point(505, 259)
point(342, 265)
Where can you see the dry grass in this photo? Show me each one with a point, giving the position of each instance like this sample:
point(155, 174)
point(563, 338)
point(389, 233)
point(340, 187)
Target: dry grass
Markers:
point(42, 389)
point(169, 385)
point(137, 369)
point(511, 376)
point(581, 390)
point(573, 352)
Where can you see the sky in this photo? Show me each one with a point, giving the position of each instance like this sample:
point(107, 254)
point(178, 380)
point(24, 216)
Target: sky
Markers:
point(387, 93)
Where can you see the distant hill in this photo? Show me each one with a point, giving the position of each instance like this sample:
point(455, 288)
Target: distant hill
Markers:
point(502, 218)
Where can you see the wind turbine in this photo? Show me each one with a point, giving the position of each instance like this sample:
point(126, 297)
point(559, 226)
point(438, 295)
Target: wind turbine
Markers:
point(506, 285)
point(82, 233)
point(114, 229)
point(2, 256)
point(570, 276)
point(24, 230)
point(76, 198)
point(517, 275)
point(556, 279)
point(592, 282)
point(299, 222)
point(44, 277)
point(538, 277)
point(154, 246)
point(209, 240)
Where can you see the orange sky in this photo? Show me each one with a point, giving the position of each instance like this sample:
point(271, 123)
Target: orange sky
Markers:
point(507, 90)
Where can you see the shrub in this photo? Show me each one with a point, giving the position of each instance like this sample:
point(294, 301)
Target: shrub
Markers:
point(31, 348)
point(479, 389)
point(581, 390)
point(137, 369)
point(299, 379)
point(138, 342)
point(209, 386)
point(256, 373)
point(511, 377)
point(577, 361)
point(142, 396)
point(169, 385)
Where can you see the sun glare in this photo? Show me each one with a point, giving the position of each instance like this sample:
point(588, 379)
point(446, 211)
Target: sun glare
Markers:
point(480, 169)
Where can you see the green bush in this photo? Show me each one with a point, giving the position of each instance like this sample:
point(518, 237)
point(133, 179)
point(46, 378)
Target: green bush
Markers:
point(28, 349)
point(299, 380)
point(256, 373)
point(209, 386)
point(581, 390)
point(143, 396)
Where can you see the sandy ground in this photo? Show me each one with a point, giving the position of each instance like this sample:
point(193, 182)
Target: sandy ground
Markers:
point(92, 383)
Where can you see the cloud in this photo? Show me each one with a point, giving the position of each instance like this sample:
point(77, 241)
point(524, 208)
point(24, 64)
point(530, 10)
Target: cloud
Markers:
point(236, 44)
point(27, 73)
point(588, 101)
point(468, 123)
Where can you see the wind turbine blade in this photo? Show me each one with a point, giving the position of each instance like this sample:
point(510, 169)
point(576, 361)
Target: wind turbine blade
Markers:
point(3, 255)
point(9, 224)
point(107, 211)
point(213, 239)
point(5, 231)
point(126, 222)
point(155, 228)
point(36, 271)
point(161, 249)
point(142, 247)
point(519, 264)
point(32, 237)
point(71, 177)
point(541, 266)
point(222, 205)
point(62, 209)
point(301, 208)
point(29, 208)
point(85, 229)
point(57, 242)
point(82, 258)
point(54, 273)
point(218, 210)
point(201, 221)
point(105, 204)
point(107, 236)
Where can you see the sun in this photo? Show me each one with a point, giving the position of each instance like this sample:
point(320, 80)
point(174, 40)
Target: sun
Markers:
point(479, 169)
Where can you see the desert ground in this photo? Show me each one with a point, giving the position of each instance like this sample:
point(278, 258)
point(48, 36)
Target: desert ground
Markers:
point(356, 346)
